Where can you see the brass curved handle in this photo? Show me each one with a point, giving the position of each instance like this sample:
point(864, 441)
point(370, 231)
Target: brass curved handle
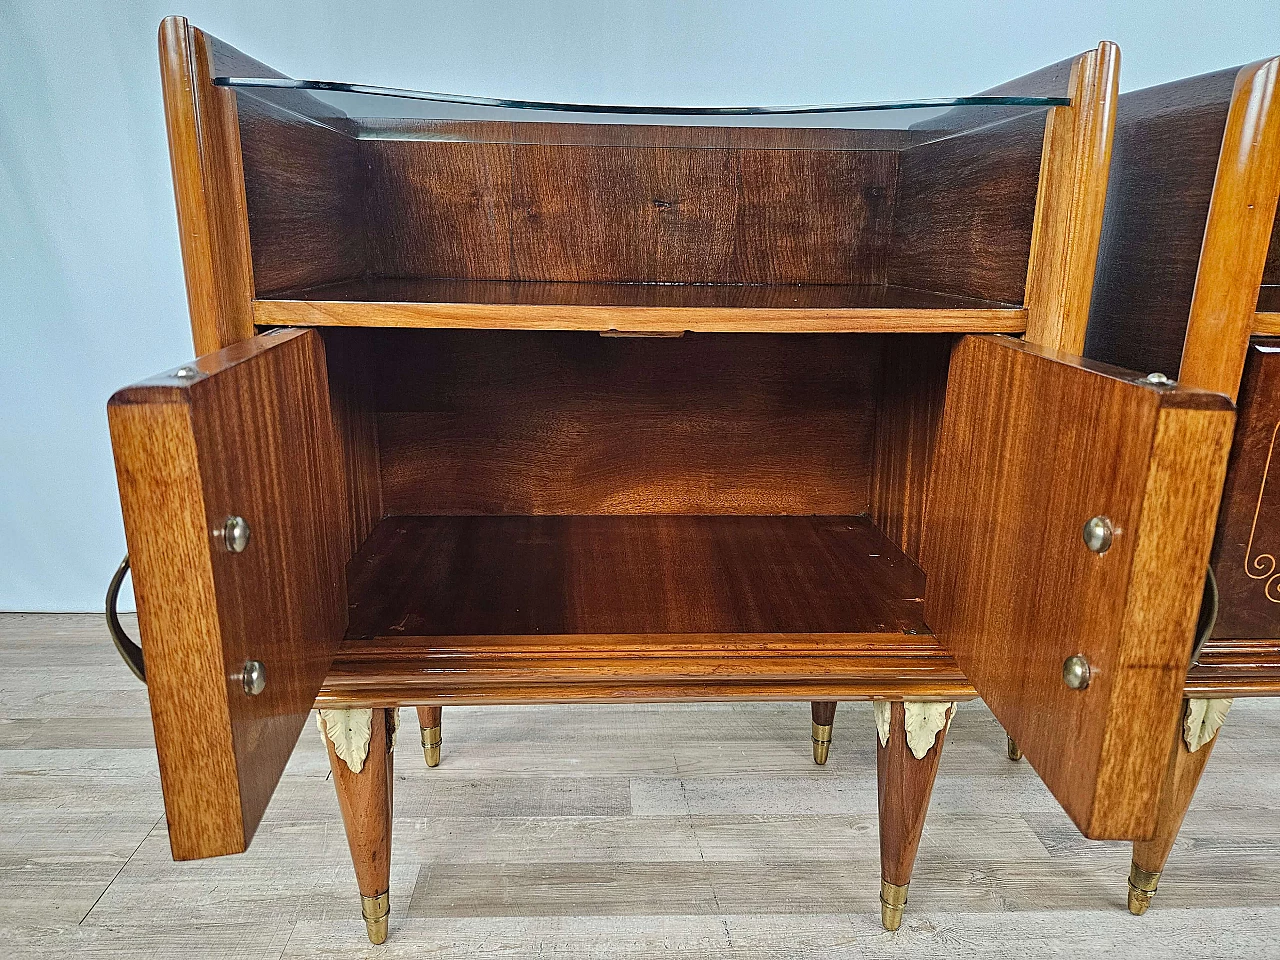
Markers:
point(129, 651)
point(1208, 618)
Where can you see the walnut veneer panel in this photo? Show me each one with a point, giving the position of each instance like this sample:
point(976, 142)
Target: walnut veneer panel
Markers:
point(581, 212)
point(913, 388)
point(534, 576)
point(1033, 444)
point(1164, 160)
point(250, 435)
point(574, 423)
point(518, 609)
point(1248, 539)
point(304, 194)
point(964, 212)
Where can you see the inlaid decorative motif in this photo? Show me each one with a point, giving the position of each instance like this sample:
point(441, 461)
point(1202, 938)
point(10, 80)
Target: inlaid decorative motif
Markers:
point(1263, 565)
point(924, 721)
point(350, 732)
point(1202, 721)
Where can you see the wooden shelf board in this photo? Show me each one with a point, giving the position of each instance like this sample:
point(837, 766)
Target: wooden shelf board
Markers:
point(637, 307)
point(592, 608)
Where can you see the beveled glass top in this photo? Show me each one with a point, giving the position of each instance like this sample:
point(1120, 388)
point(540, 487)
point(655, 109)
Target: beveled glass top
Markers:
point(363, 101)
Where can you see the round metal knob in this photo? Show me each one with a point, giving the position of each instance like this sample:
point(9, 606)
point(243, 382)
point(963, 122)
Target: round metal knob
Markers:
point(254, 677)
point(1097, 533)
point(235, 534)
point(1075, 672)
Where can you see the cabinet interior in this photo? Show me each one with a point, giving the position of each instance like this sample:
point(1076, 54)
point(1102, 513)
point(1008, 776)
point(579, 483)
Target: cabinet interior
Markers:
point(535, 484)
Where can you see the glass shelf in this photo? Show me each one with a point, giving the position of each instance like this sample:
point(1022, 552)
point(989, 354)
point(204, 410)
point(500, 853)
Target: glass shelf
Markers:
point(364, 102)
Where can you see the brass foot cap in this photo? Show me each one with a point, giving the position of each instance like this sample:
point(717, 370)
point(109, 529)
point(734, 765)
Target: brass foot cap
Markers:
point(1014, 752)
point(893, 901)
point(821, 742)
point(376, 910)
point(1142, 887)
point(431, 740)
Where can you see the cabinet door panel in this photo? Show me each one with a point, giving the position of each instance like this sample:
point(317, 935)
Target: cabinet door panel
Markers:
point(1033, 445)
point(247, 434)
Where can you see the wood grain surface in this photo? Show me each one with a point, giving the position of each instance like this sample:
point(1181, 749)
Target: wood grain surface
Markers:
point(1248, 536)
point(248, 435)
point(1168, 143)
point(1033, 444)
point(913, 386)
point(903, 788)
point(208, 186)
point(1074, 166)
point(725, 308)
point(537, 576)
point(572, 423)
point(1237, 233)
point(1182, 775)
point(305, 198)
point(1236, 668)
point(581, 212)
point(366, 801)
point(962, 223)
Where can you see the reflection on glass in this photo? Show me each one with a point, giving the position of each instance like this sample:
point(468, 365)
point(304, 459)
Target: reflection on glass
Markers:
point(372, 102)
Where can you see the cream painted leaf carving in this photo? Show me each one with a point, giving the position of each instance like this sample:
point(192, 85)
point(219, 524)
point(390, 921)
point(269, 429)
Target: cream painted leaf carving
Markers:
point(349, 731)
point(395, 725)
point(884, 711)
point(1202, 721)
point(925, 720)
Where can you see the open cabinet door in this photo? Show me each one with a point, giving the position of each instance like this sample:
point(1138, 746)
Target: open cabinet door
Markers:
point(243, 433)
point(1033, 445)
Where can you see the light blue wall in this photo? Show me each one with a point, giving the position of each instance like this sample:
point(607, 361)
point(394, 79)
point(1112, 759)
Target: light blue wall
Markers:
point(91, 293)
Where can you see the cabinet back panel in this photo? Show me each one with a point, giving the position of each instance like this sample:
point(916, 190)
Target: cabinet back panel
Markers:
point(491, 422)
point(1163, 162)
point(965, 207)
point(583, 212)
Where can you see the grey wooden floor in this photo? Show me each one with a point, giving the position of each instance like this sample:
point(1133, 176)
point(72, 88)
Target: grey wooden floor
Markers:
point(629, 831)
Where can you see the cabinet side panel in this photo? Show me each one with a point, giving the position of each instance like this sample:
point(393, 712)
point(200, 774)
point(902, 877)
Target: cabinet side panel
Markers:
point(208, 186)
point(352, 394)
point(304, 195)
point(1164, 157)
point(913, 388)
point(964, 211)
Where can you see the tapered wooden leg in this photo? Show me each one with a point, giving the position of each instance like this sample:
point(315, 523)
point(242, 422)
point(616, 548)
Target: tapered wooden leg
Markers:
point(365, 801)
point(905, 784)
point(1149, 856)
point(824, 716)
point(429, 722)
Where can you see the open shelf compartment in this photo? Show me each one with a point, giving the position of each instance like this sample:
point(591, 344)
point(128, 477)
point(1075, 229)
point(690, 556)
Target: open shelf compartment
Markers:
point(921, 219)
